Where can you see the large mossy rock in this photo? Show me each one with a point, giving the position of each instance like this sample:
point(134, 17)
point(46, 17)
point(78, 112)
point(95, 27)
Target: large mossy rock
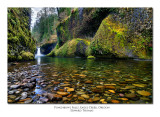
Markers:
point(19, 35)
point(72, 48)
point(27, 56)
point(124, 36)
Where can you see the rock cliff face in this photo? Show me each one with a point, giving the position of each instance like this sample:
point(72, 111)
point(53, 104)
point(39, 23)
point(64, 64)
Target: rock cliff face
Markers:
point(20, 44)
point(111, 32)
point(47, 47)
point(82, 23)
point(129, 35)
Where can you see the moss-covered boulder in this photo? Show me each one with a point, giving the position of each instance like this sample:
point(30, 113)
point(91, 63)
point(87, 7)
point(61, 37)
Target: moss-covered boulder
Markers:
point(19, 35)
point(25, 56)
point(72, 48)
point(117, 37)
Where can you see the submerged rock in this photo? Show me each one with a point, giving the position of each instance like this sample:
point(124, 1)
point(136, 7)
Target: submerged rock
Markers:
point(24, 95)
point(144, 93)
point(115, 101)
point(88, 82)
point(130, 95)
point(85, 96)
point(95, 99)
point(50, 96)
point(15, 86)
point(28, 101)
point(62, 93)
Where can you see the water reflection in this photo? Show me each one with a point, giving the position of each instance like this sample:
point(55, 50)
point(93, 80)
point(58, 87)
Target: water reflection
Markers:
point(38, 60)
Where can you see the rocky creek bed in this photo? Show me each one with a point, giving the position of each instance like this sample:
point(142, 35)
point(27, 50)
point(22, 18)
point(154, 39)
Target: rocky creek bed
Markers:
point(80, 81)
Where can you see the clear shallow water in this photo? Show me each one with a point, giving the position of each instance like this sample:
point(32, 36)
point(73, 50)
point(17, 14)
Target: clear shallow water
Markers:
point(115, 81)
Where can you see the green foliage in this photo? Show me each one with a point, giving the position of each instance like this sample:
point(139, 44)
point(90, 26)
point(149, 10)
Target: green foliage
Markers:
point(45, 25)
point(19, 36)
point(67, 10)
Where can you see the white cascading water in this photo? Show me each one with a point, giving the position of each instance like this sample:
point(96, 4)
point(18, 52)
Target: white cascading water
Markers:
point(38, 52)
point(38, 56)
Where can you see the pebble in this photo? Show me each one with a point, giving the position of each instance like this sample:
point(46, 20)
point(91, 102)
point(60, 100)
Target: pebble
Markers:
point(43, 99)
point(80, 92)
point(144, 93)
point(62, 93)
point(65, 99)
point(90, 100)
point(11, 92)
point(69, 95)
point(121, 95)
point(81, 98)
point(50, 96)
point(33, 80)
point(115, 101)
point(26, 89)
point(17, 92)
point(109, 98)
point(75, 96)
point(56, 82)
point(85, 96)
point(112, 91)
point(12, 96)
point(95, 99)
point(131, 95)
point(102, 100)
point(18, 98)
point(23, 100)
point(109, 87)
point(124, 99)
point(139, 85)
point(14, 86)
point(10, 101)
point(129, 87)
point(28, 101)
point(144, 98)
point(58, 97)
point(24, 95)
point(106, 95)
point(56, 88)
point(70, 89)
point(64, 85)
point(109, 84)
point(97, 90)
point(88, 82)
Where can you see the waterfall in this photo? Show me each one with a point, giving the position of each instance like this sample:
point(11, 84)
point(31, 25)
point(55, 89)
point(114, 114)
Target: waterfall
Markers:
point(38, 54)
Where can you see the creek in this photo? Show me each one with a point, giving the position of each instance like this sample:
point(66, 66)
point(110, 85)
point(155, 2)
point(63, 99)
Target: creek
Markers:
point(80, 80)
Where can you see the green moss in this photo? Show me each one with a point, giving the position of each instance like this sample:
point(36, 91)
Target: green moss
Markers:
point(113, 40)
point(19, 58)
point(72, 48)
point(27, 56)
point(19, 35)
point(91, 57)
